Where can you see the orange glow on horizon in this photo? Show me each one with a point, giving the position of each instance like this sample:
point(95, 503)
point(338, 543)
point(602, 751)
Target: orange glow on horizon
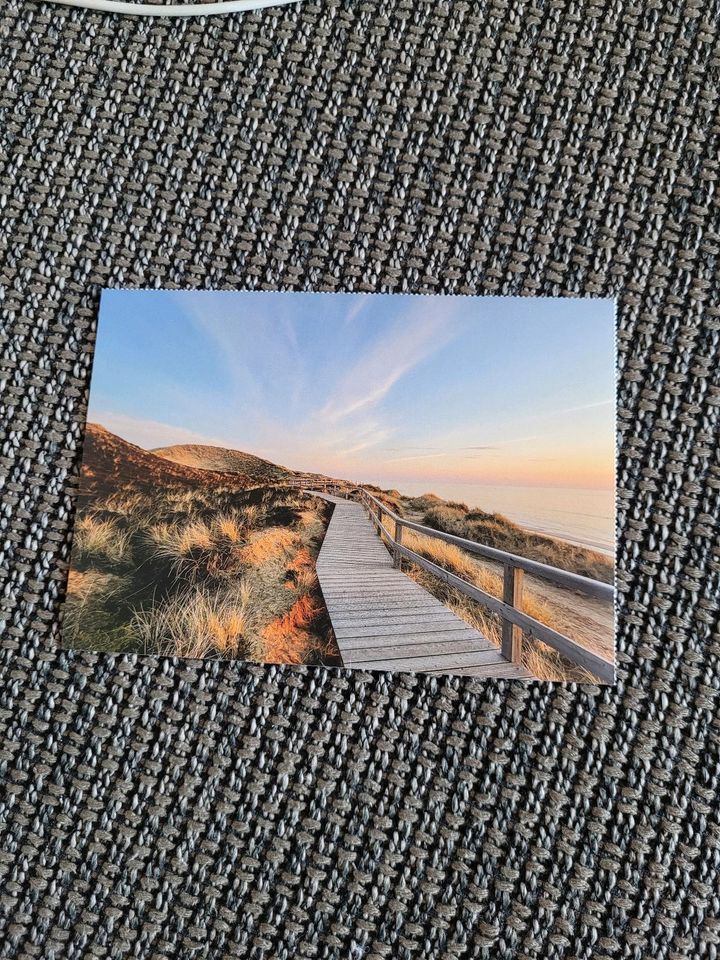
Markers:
point(591, 471)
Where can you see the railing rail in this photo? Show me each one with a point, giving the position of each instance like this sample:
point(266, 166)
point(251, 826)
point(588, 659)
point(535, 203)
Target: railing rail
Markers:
point(563, 578)
point(515, 621)
point(323, 482)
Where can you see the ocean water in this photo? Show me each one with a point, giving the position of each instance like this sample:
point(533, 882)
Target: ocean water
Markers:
point(583, 517)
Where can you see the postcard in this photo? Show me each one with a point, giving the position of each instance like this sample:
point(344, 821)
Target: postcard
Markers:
point(375, 482)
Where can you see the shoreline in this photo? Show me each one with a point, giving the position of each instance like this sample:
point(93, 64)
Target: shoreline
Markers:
point(598, 541)
point(571, 541)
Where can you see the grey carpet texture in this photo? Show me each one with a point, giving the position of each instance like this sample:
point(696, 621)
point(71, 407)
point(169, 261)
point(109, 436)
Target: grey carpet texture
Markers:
point(157, 808)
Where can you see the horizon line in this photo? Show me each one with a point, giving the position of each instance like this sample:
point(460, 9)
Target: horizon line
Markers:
point(466, 483)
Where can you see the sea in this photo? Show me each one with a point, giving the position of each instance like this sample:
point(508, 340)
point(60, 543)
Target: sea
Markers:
point(579, 516)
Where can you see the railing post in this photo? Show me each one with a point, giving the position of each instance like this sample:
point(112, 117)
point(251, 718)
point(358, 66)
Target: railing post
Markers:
point(397, 559)
point(512, 595)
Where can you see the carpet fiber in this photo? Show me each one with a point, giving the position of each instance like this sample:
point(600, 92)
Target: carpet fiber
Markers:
point(167, 809)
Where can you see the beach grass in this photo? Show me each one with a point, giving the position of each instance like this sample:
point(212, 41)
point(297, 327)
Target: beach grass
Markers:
point(221, 573)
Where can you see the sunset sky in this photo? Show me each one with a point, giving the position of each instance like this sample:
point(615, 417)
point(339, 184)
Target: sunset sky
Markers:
point(372, 388)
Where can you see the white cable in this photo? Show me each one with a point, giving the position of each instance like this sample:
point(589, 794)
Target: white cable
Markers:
point(172, 9)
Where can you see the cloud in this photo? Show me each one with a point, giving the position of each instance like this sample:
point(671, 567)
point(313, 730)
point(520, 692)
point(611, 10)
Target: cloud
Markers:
point(363, 445)
point(259, 342)
point(254, 339)
point(388, 359)
point(585, 406)
point(150, 433)
point(355, 438)
point(419, 456)
point(360, 302)
point(407, 449)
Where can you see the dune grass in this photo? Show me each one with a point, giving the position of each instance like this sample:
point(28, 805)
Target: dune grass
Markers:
point(101, 540)
point(219, 573)
point(290, 638)
point(90, 614)
point(540, 659)
point(495, 530)
point(200, 549)
point(266, 546)
point(196, 624)
point(230, 572)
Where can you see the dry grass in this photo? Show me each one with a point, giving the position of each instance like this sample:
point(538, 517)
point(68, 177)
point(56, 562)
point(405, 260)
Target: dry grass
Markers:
point(196, 625)
point(122, 504)
point(191, 549)
point(540, 659)
point(228, 529)
point(200, 549)
point(268, 545)
point(389, 498)
point(425, 502)
point(288, 638)
point(547, 664)
point(301, 573)
point(86, 615)
point(306, 518)
point(251, 515)
point(101, 540)
point(83, 583)
point(443, 554)
point(455, 560)
point(495, 530)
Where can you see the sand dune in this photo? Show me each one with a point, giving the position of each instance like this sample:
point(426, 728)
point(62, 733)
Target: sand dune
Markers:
point(222, 460)
point(111, 463)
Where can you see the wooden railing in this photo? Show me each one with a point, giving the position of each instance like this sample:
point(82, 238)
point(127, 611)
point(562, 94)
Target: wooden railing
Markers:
point(515, 622)
point(317, 483)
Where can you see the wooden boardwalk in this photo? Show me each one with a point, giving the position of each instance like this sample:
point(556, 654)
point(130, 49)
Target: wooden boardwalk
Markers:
point(382, 619)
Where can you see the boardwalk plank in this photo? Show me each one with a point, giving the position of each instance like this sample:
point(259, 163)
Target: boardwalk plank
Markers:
point(390, 631)
point(382, 619)
point(437, 664)
point(441, 641)
point(379, 617)
point(426, 651)
point(373, 601)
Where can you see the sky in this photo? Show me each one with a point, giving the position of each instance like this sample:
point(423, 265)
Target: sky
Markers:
point(372, 388)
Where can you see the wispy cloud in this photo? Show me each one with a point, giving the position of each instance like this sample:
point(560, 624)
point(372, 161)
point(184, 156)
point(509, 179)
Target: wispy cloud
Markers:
point(409, 449)
point(388, 359)
point(585, 406)
point(358, 307)
point(346, 384)
point(150, 433)
point(417, 456)
point(358, 447)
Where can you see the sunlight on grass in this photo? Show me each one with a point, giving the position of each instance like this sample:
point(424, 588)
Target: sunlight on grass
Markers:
point(101, 540)
point(445, 555)
point(301, 574)
point(540, 659)
point(496, 530)
point(269, 545)
point(228, 528)
point(88, 617)
point(196, 624)
point(201, 549)
point(285, 640)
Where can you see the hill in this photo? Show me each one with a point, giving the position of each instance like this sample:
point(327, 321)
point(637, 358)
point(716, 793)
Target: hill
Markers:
point(111, 463)
point(222, 460)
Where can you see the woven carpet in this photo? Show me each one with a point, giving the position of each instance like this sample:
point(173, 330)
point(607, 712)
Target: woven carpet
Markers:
point(156, 808)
